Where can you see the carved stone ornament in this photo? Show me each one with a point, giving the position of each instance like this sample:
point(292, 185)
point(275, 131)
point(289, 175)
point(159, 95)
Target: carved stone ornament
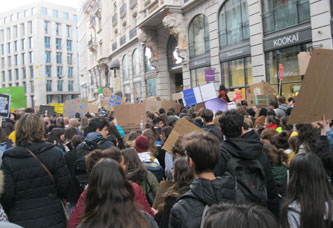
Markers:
point(149, 39)
point(175, 22)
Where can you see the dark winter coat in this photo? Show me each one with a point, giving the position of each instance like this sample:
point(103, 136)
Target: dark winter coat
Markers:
point(187, 212)
point(249, 147)
point(30, 197)
point(215, 130)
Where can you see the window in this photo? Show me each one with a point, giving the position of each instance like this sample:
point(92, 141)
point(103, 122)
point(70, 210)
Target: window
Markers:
point(3, 76)
point(25, 13)
point(2, 62)
point(68, 30)
point(16, 60)
point(59, 71)
point(23, 58)
point(10, 75)
point(12, 18)
point(46, 27)
point(48, 99)
point(24, 73)
point(30, 43)
point(31, 57)
point(30, 27)
point(8, 34)
point(16, 74)
point(279, 15)
point(237, 74)
point(125, 67)
point(44, 11)
point(234, 22)
point(136, 63)
point(199, 36)
point(2, 49)
point(137, 90)
point(55, 13)
point(8, 48)
point(148, 56)
point(291, 82)
point(15, 31)
point(9, 61)
point(65, 16)
point(22, 44)
point(16, 84)
point(48, 85)
point(5, 20)
point(47, 56)
point(25, 86)
point(151, 87)
point(173, 58)
point(22, 29)
point(32, 86)
point(70, 85)
point(69, 45)
point(48, 71)
point(2, 35)
point(70, 72)
point(58, 44)
point(33, 11)
point(59, 58)
point(58, 27)
point(15, 46)
point(69, 59)
point(75, 18)
point(60, 85)
point(31, 71)
point(60, 99)
point(47, 42)
point(198, 76)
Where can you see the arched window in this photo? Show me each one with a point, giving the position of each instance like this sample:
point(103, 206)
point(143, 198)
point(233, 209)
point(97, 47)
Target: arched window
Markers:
point(233, 22)
point(199, 36)
point(173, 58)
point(279, 14)
point(148, 55)
point(136, 63)
point(125, 67)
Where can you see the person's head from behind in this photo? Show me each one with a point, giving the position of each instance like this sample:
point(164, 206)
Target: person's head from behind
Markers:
point(226, 215)
point(57, 135)
point(29, 130)
point(310, 187)
point(165, 132)
point(248, 123)
point(69, 133)
point(76, 140)
point(282, 99)
point(178, 149)
point(203, 151)
point(231, 123)
point(270, 120)
point(100, 125)
point(267, 134)
point(183, 175)
point(276, 156)
point(207, 115)
point(73, 123)
point(263, 112)
point(157, 122)
point(273, 105)
point(110, 198)
point(244, 103)
point(150, 117)
point(161, 111)
point(293, 143)
point(132, 159)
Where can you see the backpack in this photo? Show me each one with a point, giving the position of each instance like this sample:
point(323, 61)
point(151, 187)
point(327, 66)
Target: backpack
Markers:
point(80, 170)
point(250, 179)
point(155, 168)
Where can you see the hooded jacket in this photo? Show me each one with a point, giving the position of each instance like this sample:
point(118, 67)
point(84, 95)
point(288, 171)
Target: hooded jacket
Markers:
point(30, 197)
point(249, 147)
point(215, 130)
point(187, 212)
point(93, 140)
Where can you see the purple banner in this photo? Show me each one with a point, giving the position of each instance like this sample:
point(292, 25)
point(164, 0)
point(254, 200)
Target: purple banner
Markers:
point(210, 75)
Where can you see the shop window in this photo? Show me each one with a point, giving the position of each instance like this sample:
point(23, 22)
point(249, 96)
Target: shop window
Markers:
point(291, 81)
point(173, 58)
point(136, 63)
point(151, 87)
point(148, 56)
point(234, 22)
point(198, 76)
point(237, 74)
point(279, 14)
point(125, 68)
point(137, 90)
point(199, 36)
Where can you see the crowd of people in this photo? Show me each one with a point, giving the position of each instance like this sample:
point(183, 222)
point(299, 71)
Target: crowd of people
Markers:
point(247, 168)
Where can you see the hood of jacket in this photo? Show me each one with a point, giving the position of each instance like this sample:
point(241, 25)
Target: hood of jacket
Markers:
point(213, 191)
point(279, 174)
point(21, 152)
point(94, 137)
point(247, 147)
point(284, 107)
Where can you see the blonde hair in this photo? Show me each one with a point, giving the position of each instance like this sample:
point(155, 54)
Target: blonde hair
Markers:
point(29, 129)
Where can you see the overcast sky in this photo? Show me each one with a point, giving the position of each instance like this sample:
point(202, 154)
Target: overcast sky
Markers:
point(12, 4)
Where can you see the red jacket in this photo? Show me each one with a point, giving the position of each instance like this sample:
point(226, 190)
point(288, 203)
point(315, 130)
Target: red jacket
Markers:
point(140, 198)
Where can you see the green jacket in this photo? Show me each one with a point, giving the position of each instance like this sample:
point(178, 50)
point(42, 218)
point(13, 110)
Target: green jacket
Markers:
point(151, 185)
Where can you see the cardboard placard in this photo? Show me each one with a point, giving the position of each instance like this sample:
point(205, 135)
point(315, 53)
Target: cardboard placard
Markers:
point(17, 96)
point(261, 88)
point(176, 96)
point(216, 104)
point(92, 108)
point(73, 106)
point(130, 115)
point(199, 94)
point(316, 95)
point(58, 108)
point(46, 110)
point(181, 128)
point(4, 105)
point(170, 104)
point(162, 188)
point(303, 62)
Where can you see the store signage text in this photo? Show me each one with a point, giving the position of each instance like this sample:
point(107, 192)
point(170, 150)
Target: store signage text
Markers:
point(285, 40)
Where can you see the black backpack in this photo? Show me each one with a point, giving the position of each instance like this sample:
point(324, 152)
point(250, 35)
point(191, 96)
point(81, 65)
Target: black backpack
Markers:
point(250, 179)
point(80, 169)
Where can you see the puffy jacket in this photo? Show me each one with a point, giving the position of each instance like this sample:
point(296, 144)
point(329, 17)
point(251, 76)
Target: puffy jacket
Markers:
point(78, 211)
point(249, 147)
point(187, 212)
point(30, 197)
point(215, 130)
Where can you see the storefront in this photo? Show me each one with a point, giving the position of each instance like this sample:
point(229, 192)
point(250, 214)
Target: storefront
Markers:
point(281, 51)
point(150, 74)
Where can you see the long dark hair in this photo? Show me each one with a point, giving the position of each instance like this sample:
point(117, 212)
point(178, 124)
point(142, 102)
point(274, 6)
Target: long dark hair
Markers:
point(135, 166)
point(310, 188)
point(110, 199)
point(54, 137)
point(306, 136)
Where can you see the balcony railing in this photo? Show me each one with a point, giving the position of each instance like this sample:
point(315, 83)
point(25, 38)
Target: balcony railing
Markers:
point(114, 19)
point(132, 33)
point(91, 44)
point(114, 46)
point(133, 3)
point(123, 10)
point(122, 40)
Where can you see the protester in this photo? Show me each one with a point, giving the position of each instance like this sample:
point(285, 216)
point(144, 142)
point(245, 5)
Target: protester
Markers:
point(207, 116)
point(110, 199)
point(57, 137)
point(32, 193)
point(308, 200)
point(203, 151)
